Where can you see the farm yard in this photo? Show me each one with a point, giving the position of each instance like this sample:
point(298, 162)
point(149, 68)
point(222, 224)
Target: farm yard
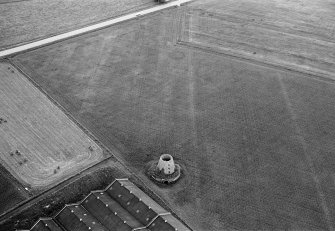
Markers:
point(39, 144)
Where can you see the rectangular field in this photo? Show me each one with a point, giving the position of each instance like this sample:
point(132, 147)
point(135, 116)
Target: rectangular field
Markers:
point(39, 144)
point(266, 43)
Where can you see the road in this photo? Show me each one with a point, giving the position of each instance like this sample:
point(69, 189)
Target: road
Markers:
point(87, 29)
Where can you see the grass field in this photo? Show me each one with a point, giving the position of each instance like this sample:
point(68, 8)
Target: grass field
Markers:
point(11, 191)
point(40, 145)
point(256, 140)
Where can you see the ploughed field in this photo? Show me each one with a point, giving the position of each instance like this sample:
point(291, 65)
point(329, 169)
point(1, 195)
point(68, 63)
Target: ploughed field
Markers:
point(256, 139)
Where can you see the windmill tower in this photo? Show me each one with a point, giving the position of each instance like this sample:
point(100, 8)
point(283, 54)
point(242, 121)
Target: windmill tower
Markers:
point(165, 170)
point(166, 163)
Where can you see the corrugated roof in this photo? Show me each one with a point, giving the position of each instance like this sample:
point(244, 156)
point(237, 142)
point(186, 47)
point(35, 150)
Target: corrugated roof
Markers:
point(120, 206)
point(46, 224)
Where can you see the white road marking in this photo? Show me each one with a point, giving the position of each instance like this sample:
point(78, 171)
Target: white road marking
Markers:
point(89, 28)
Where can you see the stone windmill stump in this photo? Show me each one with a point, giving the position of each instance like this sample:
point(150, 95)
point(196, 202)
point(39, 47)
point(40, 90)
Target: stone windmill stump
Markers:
point(166, 163)
point(165, 170)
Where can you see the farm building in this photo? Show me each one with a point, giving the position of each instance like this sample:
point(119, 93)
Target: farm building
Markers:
point(121, 206)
